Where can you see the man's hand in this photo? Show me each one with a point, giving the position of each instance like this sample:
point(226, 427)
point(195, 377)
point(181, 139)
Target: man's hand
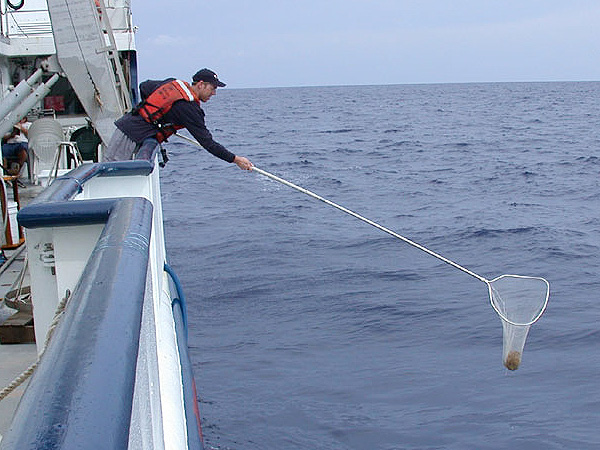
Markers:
point(243, 163)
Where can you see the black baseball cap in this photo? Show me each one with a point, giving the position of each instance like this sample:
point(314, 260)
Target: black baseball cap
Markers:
point(209, 76)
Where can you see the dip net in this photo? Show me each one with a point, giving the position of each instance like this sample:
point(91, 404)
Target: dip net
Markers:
point(519, 301)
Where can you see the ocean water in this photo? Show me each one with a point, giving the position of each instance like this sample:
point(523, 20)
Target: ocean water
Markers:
point(310, 329)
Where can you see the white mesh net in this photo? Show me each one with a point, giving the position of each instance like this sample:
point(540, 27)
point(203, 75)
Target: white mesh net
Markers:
point(519, 301)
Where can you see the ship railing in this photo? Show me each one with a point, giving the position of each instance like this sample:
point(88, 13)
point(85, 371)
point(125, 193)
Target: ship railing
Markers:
point(116, 373)
point(25, 21)
point(35, 21)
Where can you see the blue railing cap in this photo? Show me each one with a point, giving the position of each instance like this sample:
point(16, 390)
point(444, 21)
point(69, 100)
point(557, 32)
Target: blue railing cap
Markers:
point(67, 186)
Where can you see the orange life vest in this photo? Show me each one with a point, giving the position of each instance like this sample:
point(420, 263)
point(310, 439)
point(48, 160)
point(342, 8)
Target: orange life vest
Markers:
point(160, 101)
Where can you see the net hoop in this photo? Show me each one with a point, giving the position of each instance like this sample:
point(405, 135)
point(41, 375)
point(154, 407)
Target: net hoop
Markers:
point(503, 316)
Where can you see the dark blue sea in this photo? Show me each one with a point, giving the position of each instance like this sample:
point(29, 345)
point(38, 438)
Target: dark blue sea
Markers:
point(309, 329)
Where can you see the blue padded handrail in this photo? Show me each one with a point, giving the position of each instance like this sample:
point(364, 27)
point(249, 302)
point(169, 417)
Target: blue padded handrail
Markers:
point(81, 395)
point(67, 186)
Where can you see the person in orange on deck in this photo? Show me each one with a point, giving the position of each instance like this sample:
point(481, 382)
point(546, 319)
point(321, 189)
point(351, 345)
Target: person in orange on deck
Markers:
point(167, 106)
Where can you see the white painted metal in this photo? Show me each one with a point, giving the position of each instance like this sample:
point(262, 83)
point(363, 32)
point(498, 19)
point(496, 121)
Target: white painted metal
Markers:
point(72, 248)
point(19, 93)
point(170, 373)
point(146, 428)
point(40, 249)
point(57, 257)
point(25, 105)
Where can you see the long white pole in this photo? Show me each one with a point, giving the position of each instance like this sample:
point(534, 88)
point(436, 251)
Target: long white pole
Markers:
point(358, 216)
point(370, 222)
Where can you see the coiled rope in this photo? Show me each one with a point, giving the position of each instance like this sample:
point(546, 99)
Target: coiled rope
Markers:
point(19, 380)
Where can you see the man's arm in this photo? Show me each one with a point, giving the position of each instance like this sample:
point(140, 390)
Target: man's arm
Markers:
point(191, 117)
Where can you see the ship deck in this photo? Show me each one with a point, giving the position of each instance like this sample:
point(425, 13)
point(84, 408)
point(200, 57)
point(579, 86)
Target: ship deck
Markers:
point(14, 358)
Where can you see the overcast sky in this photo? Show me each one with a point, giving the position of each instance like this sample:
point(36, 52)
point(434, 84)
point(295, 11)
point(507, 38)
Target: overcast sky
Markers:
point(344, 42)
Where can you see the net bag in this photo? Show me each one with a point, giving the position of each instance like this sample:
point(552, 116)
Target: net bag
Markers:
point(519, 301)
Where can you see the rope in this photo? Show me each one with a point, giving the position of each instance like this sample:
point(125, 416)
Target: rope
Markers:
point(17, 285)
point(20, 379)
